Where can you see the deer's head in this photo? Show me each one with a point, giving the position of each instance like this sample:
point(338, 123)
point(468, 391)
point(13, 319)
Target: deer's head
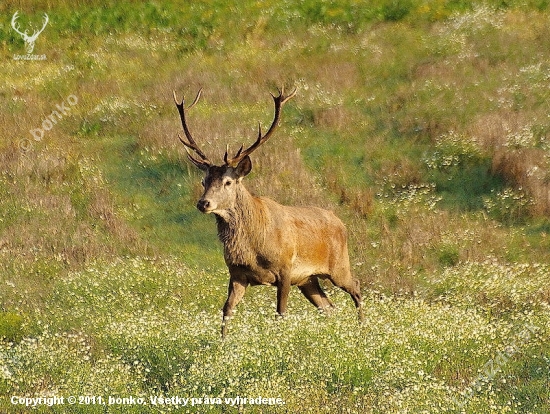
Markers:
point(221, 182)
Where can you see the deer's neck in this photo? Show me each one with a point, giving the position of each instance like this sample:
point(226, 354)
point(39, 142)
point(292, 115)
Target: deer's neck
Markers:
point(242, 229)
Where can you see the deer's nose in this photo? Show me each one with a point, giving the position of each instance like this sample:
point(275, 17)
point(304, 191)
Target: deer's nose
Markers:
point(203, 205)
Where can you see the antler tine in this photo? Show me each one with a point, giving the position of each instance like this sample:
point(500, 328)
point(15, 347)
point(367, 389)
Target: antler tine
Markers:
point(191, 144)
point(196, 161)
point(199, 93)
point(226, 158)
point(291, 95)
point(279, 101)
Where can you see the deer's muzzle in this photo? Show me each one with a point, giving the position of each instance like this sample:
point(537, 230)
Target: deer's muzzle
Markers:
point(205, 206)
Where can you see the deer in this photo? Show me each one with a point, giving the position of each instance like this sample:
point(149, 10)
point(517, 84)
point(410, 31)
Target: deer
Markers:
point(29, 40)
point(264, 242)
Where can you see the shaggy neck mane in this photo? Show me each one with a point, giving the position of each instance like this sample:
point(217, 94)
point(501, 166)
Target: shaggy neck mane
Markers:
point(242, 229)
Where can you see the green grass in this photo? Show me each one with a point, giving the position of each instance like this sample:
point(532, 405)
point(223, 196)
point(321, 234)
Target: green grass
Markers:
point(134, 319)
point(422, 124)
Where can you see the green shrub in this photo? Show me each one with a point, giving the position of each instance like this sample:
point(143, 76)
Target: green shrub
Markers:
point(395, 10)
point(461, 172)
point(448, 256)
point(508, 206)
point(11, 326)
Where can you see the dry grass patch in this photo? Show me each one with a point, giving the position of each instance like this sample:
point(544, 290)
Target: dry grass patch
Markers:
point(63, 217)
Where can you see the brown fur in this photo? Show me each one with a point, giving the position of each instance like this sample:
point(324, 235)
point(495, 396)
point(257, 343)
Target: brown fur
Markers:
point(266, 243)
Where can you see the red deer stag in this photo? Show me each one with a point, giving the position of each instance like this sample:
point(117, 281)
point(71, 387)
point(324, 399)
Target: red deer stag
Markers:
point(266, 243)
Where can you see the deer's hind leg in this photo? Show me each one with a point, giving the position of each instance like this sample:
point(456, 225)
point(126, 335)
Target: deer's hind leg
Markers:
point(315, 294)
point(351, 285)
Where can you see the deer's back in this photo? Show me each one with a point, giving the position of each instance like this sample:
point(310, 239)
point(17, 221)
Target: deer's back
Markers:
point(311, 240)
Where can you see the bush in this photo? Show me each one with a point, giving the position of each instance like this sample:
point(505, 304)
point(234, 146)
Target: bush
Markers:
point(448, 256)
point(11, 327)
point(508, 206)
point(461, 172)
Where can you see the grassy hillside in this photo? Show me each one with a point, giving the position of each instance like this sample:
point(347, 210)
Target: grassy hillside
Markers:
point(423, 124)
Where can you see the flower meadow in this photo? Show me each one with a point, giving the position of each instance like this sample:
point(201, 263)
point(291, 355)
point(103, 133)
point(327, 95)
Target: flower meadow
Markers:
point(123, 330)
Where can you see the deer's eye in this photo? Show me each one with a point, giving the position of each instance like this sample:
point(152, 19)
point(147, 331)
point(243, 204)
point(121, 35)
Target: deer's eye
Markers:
point(228, 183)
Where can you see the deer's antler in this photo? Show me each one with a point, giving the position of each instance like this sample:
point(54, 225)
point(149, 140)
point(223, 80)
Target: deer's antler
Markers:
point(279, 101)
point(202, 162)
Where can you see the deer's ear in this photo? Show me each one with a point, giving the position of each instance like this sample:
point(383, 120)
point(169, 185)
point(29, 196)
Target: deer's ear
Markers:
point(244, 167)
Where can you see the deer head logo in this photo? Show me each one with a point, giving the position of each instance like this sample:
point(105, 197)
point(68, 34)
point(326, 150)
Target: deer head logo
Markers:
point(29, 40)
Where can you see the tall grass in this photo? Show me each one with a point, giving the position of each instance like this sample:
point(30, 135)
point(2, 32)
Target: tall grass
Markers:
point(163, 341)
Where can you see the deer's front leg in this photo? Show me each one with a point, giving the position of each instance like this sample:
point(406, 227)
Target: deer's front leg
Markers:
point(235, 293)
point(283, 289)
